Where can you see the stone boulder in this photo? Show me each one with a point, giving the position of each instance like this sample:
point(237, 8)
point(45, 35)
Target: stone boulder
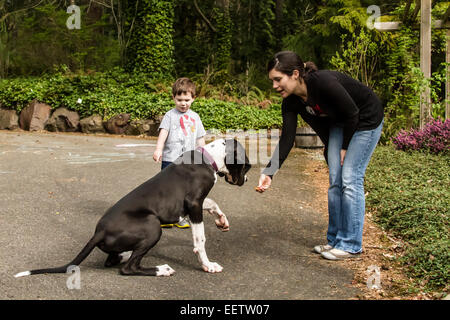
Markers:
point(143, 127)
point(8, 119)
point(92, 124)
point(63, 120)
point(118, 124)
point(34, 116)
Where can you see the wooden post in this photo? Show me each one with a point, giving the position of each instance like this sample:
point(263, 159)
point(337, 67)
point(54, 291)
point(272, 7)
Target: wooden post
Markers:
point(425, 59)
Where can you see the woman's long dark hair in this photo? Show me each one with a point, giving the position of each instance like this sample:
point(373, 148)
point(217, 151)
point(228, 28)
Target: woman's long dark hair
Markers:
point(288, 61)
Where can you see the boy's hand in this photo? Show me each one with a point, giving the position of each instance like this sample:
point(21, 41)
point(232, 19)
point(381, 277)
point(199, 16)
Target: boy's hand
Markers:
point(157, 155)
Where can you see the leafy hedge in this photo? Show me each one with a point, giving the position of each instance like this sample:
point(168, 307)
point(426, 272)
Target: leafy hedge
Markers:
point(227, 115)
point(117, 92)
point(409, 195)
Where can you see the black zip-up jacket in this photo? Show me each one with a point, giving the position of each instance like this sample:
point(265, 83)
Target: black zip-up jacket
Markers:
point(333, 99)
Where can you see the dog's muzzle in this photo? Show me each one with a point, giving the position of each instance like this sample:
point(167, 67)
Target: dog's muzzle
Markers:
point(235, 181)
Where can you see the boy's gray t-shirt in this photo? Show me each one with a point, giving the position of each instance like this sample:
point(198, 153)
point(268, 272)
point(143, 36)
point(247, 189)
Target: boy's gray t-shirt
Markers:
point(184, 130)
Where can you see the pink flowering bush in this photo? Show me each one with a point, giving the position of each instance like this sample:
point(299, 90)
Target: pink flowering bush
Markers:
point(434, 137)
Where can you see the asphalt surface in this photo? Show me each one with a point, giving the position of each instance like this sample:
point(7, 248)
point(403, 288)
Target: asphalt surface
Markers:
point(55, 187)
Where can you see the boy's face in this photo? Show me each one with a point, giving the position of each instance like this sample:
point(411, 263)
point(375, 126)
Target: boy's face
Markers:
point(183, 101)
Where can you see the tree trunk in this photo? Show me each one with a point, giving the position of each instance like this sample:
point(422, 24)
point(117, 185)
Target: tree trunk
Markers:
point(279, 6)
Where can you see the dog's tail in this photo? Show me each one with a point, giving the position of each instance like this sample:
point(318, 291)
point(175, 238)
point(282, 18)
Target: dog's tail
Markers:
point(78, 259)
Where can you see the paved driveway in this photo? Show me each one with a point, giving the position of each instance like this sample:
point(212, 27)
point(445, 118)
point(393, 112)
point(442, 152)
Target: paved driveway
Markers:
point(55, 187)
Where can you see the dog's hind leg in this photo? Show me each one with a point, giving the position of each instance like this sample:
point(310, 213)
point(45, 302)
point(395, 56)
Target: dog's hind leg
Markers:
point(112, 260)
point(117, 258)
point(133, 266)
point(125, 256)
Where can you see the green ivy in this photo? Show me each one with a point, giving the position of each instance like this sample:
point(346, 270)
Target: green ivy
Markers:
point(151, 46)
point(224, 36)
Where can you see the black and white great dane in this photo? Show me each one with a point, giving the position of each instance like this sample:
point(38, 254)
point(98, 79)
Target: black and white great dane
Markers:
point(130, 228)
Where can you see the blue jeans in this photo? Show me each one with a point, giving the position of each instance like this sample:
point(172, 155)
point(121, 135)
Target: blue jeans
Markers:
point(346, 199)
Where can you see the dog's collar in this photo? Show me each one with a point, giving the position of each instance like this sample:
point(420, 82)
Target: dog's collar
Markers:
point(209, 157)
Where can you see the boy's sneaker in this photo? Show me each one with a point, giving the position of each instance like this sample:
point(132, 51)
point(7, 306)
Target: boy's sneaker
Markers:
point(322, 248)
point(336, 254)
point(182, 224)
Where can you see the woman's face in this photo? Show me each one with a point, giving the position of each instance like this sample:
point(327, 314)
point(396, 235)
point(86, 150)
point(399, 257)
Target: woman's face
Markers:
point(284, 84)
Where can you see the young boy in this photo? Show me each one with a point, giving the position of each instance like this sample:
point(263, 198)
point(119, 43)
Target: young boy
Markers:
point(181, 129)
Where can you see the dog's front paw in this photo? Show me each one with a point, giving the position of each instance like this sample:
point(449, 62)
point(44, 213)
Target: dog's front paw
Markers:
point(164, 271)
point(222, 223)
point(212, 267)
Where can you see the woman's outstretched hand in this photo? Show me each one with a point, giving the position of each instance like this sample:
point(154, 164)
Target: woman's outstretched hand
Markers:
point(264, 183)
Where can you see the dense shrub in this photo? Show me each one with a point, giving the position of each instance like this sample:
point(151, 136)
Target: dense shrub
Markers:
point(115, 92)
point(106, 94)
point(434, 137)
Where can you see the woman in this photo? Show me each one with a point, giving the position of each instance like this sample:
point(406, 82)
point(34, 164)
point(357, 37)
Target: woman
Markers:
point(348, 118)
